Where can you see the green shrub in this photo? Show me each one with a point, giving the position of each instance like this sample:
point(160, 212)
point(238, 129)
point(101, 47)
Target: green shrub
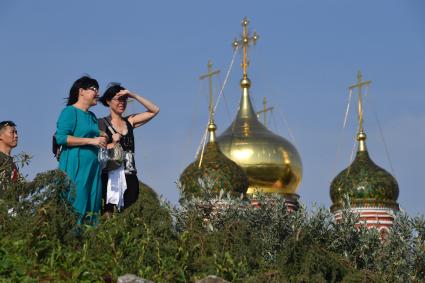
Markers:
point(221, 235)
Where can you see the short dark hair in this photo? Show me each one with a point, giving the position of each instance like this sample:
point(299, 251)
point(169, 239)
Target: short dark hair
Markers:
point(85, 82)
point(6, 124)
point(111, 91)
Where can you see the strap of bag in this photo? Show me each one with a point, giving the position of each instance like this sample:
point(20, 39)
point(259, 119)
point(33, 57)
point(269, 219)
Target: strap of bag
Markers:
point(110, 128)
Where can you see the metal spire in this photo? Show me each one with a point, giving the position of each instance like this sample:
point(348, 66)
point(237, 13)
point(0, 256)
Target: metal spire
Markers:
point(245, 42)
point(264, 111)
point(211, 125)
point(361, 135)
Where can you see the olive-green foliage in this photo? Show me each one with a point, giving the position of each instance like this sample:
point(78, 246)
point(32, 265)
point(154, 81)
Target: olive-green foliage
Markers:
point(224, 236)
point(35, 222)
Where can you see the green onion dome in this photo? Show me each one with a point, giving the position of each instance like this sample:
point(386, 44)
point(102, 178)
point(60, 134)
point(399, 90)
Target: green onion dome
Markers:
point(215, 173)
point(365, 183)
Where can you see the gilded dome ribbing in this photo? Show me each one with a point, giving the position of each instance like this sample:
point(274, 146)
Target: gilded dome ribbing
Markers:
point(272, 163)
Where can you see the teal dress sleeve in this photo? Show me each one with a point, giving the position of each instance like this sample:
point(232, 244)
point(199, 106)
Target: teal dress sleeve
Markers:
point(66, 125)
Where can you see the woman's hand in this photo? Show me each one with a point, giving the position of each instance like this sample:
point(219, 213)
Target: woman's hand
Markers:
point(115, 139)
point(99, 142)
point(139, 119)
point(124, 92)
point(76, 141)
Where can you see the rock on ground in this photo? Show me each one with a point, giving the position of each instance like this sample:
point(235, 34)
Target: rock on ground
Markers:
point(212, 279)
point(131, 278)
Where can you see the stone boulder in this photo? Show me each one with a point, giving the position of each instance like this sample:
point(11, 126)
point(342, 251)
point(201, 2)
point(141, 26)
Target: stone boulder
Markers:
point(131, 278)
point(212, 279)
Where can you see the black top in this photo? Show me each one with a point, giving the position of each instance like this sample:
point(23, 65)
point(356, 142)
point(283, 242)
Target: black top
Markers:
point(126, 141)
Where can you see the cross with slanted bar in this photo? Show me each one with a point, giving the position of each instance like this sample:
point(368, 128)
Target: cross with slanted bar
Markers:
point(265, 110)
point(209, 75)
point(245, 42)
point(359, 85)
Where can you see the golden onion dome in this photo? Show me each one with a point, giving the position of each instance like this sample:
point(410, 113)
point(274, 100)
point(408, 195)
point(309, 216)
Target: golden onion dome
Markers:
point(272, 163)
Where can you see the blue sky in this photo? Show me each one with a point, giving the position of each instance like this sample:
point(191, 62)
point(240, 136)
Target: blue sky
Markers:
point(308, 54)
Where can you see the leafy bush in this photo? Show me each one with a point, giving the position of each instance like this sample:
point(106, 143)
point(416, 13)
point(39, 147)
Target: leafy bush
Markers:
point(221, 235)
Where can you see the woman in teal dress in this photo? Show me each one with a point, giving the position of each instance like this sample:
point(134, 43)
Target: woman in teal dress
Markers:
point(78, 134)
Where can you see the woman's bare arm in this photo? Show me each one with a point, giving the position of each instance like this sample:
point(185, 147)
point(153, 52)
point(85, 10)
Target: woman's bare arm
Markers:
point(139, 119)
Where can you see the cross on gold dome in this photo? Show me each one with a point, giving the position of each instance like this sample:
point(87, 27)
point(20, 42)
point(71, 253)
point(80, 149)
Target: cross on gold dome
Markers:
point(245, 43)
point(361, 136)
point(264, 111)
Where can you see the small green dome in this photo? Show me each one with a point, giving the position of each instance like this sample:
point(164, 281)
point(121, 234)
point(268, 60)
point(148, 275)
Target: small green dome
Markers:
point(215, 173)
point(366, 184)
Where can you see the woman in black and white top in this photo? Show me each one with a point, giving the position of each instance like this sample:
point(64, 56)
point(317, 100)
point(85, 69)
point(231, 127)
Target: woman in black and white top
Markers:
point(116, 97)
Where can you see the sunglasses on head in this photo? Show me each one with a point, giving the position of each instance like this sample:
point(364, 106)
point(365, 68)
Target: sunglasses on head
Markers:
point(7, 124)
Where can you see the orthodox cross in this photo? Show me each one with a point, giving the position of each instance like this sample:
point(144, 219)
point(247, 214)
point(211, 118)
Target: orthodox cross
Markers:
point(211, 125)
point(245, 42)
point(209, 75)
point(359, 85)
point(264, 111)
